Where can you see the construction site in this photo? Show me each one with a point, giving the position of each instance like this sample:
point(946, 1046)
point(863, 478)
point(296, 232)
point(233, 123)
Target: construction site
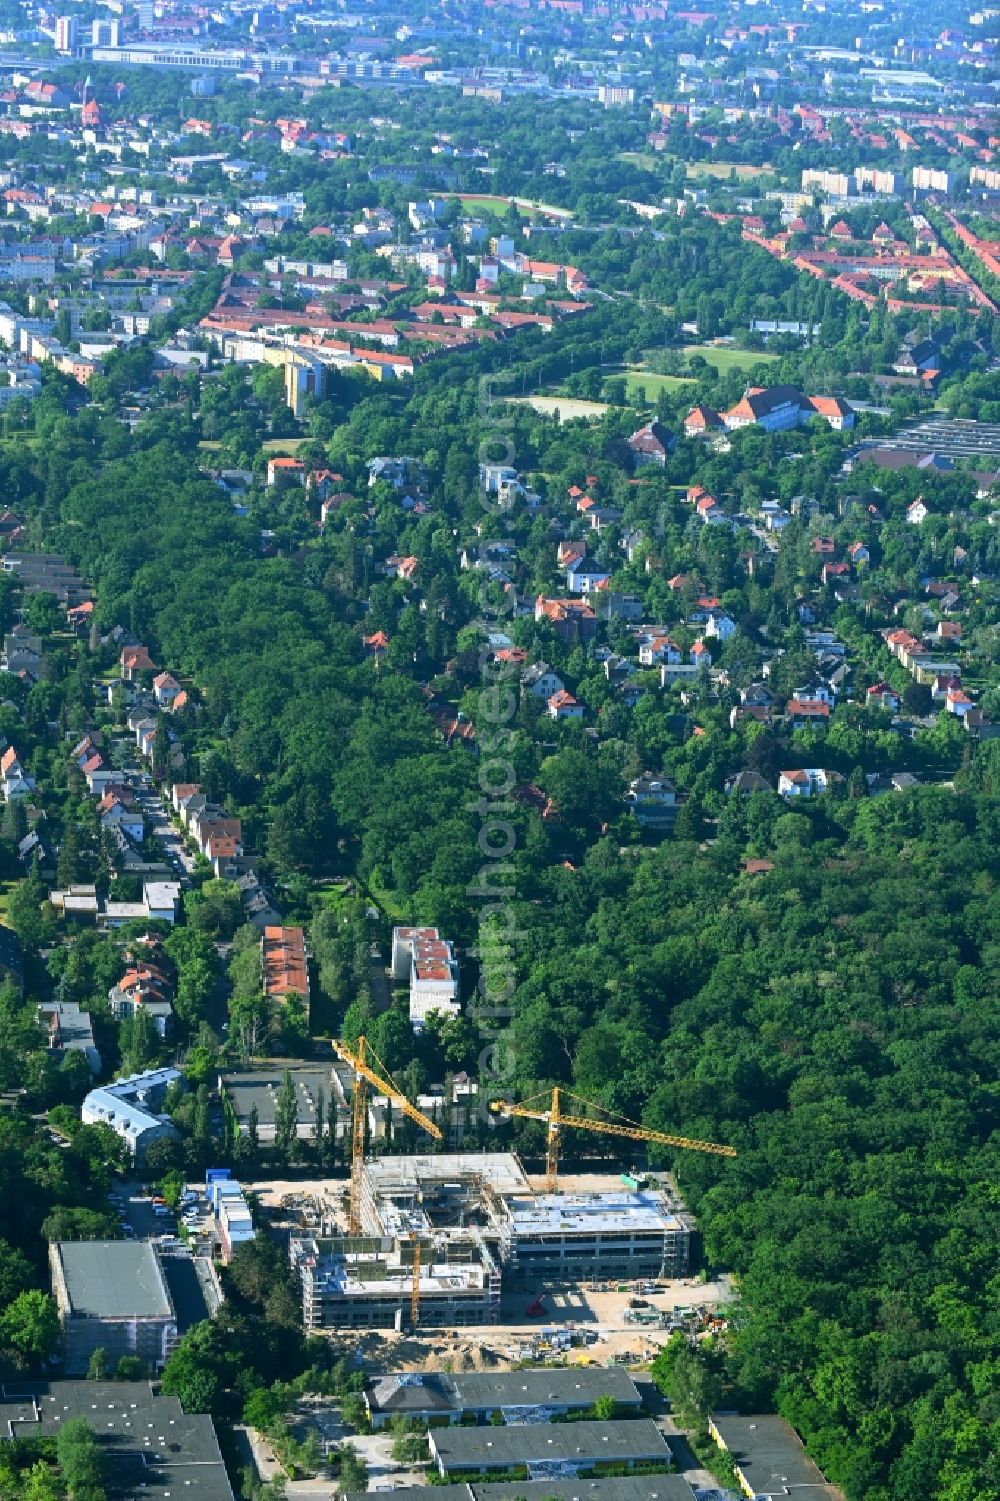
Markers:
point(438, 1241)
point(442, 1237)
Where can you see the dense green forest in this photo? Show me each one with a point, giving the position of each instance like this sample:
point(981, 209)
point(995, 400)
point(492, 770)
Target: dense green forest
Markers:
point(834, 1017)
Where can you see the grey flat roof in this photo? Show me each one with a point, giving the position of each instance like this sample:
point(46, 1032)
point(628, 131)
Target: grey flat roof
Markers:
point(108, 1279)
point(573, 1387)
point(580, 1488)
point(581, 1443)
point(771, 1456)
point(250, 1087)
point(150, 1444)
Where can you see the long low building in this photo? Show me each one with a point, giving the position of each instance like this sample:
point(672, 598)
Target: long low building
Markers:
point(478, 1395)
point(769, 1458)
point(535, 1450)
point(657, 1487)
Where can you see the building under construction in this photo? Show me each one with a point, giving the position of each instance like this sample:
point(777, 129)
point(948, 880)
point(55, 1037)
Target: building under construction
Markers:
point(477, 1221)
point(606, 1231)
point(368, 1282)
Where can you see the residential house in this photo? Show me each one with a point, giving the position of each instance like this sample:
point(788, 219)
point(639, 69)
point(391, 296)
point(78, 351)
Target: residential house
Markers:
point(656, 649)
point(114, 811)
point(427, 961)
point(700, 655)
point(679, 672)
point(881, 696)
point(165, 689)
point(709, 511)
point(747, 782)
point(16, 781)
point(144, 986)
point(652, 444)
point(285, 471)
point(653, 800)
point(858, 553)
point(701, 421)
point(133, 660)
point(584, 577)
point(180, 792)
point(22, 652)
point(541, 682)
point(572, 620)
point(35, 846)
point(563, 705)
point(283, 959)
point(161, 900)
point(69, 1030)
point(917, 512)
point(804, 713)
point(806, 783)
point(721, 627)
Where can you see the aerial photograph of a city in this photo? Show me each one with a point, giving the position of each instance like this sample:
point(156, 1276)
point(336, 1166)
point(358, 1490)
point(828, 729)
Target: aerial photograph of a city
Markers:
point(499, 750)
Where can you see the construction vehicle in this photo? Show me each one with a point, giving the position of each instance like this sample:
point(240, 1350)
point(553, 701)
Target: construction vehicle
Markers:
point(555, 1119)
point(365, 1074)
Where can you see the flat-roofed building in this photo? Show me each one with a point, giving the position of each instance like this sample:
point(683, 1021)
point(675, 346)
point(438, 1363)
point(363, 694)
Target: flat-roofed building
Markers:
point(366, 1282)
point(147, 1440)
point(244, 1091)
point(654, 1487)
point(477, 1395)
point(769, 1458)
point(112, 1296)
point(614, 1233)
point(533, 1449)
point(404, 1195)
point(428, 961)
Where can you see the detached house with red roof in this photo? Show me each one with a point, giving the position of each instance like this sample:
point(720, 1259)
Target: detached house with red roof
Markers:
point(133, 660)
point(283, 470)
point(701, 421)
point(165, 689)
point(652, 444)
point(563, 705)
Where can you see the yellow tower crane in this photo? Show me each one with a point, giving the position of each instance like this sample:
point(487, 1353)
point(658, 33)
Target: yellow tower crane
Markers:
point(555, 1119)
point(364, 1075)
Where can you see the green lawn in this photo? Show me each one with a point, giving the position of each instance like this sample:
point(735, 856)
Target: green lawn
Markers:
point(636, 380)
point(722, 170)
point(489, 203)
point(725, 358)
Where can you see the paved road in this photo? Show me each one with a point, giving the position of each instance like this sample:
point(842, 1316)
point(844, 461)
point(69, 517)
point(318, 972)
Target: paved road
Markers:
point(160, 819)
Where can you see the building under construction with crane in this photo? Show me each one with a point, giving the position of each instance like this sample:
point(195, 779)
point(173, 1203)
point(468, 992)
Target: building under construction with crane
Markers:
point(442, 1233)
point(474, 1224)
